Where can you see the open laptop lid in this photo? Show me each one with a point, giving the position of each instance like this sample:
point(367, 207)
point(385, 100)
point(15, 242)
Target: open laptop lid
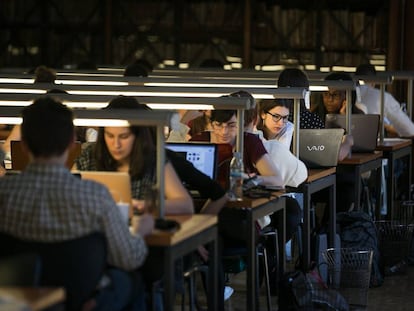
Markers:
point(320, 147)
point(364, 129)
point(118, 183)
point(204, 156)
point(20, 159)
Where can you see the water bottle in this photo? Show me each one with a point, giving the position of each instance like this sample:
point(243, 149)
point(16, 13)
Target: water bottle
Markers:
point(236, 177)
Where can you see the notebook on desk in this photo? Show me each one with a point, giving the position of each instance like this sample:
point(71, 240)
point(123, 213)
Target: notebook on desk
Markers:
point(320, 147)
point(118, 183)
point(204, 156)
point(364, 129)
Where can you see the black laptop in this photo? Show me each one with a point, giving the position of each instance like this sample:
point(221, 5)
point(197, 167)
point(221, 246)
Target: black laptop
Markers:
point(364, 129)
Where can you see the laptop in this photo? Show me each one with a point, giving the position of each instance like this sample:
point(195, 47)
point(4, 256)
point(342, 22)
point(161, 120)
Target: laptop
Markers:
point(320, 147)
point(204, 156)
point(20, 159)
point(364, 129)
point(118, 183)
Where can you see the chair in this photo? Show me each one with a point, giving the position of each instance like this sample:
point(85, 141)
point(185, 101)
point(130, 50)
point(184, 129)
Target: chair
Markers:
point(238, 254)
point(20, 270)
point(77, 264)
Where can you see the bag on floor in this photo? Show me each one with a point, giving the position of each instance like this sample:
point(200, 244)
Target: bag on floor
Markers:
point(357, 230)
point(300, 291)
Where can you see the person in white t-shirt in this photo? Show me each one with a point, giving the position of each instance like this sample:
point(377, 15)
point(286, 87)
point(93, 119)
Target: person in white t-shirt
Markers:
point(395, 120)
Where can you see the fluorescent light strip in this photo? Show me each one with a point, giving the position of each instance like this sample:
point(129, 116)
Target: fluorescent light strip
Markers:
point(166, 94)
point(14, 80)
point(88, 74)
point(16, 103)
point(180, 106)
point(25, 91)
point(221, 85)
point(88, 105)
point(101, 122)
point(318, 88)
point(10, 120)
point(80, 82)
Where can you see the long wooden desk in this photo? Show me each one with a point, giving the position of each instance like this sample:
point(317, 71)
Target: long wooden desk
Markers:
point(195, 230)
point(35, 298)
point(257, 208)
point(318, 179)
point(358, 164)
point(393, 149)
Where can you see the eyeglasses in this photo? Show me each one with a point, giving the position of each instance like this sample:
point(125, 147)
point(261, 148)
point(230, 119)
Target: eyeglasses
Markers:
point(333, 95)
point(277, 117)
point(223, 125)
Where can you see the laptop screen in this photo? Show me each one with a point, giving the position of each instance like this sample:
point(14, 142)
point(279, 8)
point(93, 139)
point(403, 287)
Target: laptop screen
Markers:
point(364, 129)
point(202, 155)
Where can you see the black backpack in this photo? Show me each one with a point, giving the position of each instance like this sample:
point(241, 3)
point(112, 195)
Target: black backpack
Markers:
point(357, 230)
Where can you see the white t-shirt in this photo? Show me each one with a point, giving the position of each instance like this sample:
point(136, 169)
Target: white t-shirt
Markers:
point(371, 98)
point(292, 170)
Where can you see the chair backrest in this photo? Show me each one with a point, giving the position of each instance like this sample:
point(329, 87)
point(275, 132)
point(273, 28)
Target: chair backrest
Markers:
point(20, 270)
point(76, 264)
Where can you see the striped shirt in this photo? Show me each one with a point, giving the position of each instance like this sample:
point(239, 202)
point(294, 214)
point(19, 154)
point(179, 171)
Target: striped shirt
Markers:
point(47, 203)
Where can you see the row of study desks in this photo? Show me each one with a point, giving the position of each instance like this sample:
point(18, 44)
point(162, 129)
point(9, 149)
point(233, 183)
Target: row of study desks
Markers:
point(198, 230)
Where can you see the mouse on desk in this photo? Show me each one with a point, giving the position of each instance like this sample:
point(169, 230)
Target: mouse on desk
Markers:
point(166, 224)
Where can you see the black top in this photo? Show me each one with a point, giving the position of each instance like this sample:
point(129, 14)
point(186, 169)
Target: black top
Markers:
point(195, 179)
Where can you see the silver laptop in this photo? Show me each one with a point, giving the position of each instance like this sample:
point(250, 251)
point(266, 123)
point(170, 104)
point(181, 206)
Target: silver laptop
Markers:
point(364, 129)
point(320, 147)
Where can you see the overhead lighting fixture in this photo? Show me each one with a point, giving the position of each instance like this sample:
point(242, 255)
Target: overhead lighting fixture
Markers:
point(25, 91)
point(180, 106)
point(343, 68)
point(273, 67)
point(310, 67)
point(13, 80)
point(89, 82)
point(101, 122)
point(184, 65)
point(169, 62)
point(233, 59)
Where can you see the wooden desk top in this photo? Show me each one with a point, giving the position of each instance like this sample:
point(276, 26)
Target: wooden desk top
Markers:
point(189, 225)
point(360, 158)
point(391, 144)
point(315, 174)
point(36, 298)
point(252, 203)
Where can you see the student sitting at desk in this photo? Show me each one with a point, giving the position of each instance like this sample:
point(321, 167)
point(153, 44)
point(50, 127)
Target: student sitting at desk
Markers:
point(132, 149)
point(396, 122)
point(46, 203)
point(256, 158)
point(334, 101)
point(273, 128)
point(122, 149)
point(293, 77)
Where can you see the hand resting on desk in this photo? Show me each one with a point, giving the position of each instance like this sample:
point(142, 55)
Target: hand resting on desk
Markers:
point(143, 224)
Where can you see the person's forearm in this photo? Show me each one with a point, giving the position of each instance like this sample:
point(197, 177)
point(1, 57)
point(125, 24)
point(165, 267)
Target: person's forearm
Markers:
point(179, 206)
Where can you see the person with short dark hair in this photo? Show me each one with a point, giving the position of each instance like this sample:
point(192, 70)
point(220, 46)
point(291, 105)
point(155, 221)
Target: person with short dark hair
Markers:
point(334, 100)
point(44, 74)
point(396, 122)
point(47, 203)
point(294, 77)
